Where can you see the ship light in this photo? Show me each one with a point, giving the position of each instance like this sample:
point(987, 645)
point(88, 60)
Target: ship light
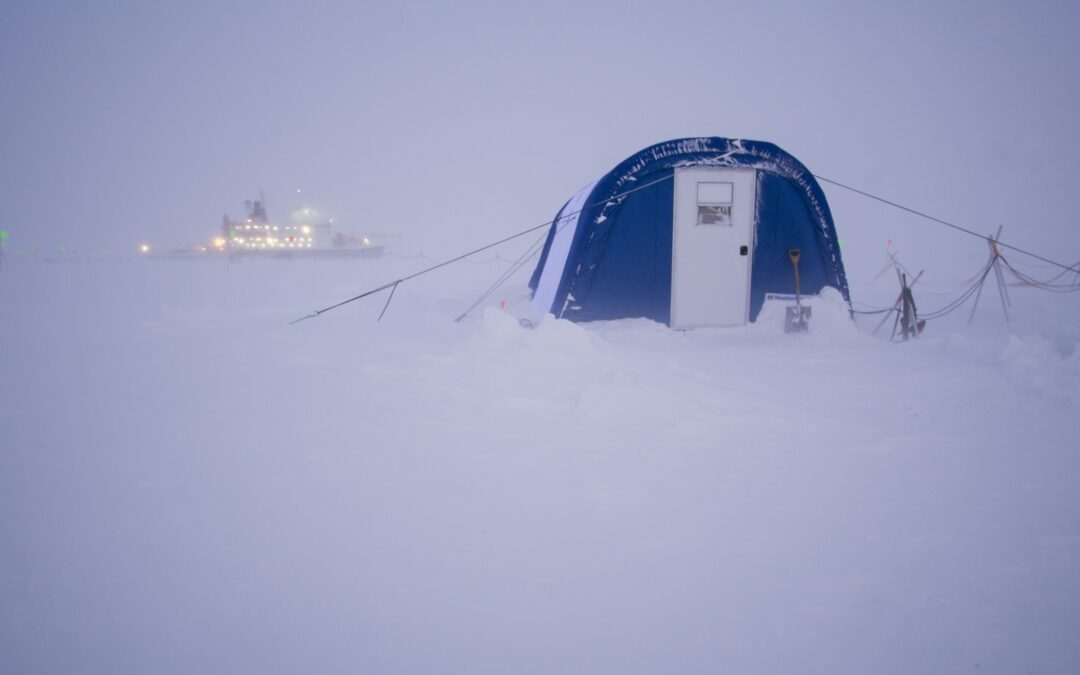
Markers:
point(306, 229)
point(219, 242)
point(367, 242)
point(144, 248)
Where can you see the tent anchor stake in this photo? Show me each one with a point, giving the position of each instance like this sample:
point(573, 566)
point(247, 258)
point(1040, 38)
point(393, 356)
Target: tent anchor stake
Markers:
point(907, 314)
point(898, 306)
point(999, 278)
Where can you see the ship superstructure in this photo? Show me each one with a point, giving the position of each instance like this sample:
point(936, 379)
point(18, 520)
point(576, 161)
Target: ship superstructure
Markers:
point(307, 233)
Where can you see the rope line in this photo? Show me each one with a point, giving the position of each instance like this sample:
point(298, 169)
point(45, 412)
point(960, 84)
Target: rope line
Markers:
point(960, 301)
point(871, 312)
point(388, 299)
point(1073, 268)
point(528, 255)
point(562, 219)
point(973, 287)
point(444, 263)
point(561, 222)
point(1041, 285)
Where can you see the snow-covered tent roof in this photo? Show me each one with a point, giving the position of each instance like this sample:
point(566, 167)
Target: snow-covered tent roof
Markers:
point(609, 253)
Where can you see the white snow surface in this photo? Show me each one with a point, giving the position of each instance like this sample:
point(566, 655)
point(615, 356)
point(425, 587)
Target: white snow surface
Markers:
point(188, 484)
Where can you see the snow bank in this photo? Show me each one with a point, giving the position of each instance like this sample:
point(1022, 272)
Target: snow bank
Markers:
point(187, 483)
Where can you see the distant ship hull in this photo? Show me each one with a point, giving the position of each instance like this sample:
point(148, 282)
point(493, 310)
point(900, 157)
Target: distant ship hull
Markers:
point(232, 254)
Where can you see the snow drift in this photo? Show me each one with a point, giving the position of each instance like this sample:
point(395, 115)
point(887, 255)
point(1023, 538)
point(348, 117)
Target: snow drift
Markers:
point(188, 484)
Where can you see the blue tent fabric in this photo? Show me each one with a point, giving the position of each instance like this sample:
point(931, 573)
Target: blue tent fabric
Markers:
point(784, 222)
point(619, 262)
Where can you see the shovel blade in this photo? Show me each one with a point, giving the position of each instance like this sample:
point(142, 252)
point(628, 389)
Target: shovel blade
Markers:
point(797, 320)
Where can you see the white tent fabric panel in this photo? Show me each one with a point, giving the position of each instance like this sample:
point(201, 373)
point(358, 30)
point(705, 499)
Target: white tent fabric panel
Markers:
point(565, 228)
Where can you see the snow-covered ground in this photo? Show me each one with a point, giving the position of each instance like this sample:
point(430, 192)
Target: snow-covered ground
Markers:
point(188, 484)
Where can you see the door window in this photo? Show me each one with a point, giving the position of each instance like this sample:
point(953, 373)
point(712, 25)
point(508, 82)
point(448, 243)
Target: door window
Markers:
point(714, 203)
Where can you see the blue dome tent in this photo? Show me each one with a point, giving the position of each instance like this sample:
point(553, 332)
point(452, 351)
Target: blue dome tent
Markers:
point(691, 232)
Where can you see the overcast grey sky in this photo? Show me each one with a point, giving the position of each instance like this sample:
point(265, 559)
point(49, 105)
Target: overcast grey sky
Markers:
point(453, 123)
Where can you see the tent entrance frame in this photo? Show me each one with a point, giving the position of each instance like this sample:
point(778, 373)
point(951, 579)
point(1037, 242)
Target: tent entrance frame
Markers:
point(714, 225)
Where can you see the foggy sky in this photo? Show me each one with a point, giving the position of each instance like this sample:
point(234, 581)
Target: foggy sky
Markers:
point(455, 123)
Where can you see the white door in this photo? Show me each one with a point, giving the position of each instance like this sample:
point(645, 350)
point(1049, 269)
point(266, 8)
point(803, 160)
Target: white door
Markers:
point(712, 246)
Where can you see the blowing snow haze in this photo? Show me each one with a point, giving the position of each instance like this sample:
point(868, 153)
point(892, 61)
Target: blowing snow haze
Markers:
point(452, 125)
point(189, 484)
